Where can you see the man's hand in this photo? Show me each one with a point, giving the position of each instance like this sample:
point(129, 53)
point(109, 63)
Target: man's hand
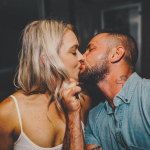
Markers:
point(71, 102)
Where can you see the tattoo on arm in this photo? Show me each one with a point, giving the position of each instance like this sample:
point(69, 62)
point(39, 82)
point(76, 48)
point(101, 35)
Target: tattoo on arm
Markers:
point(121, 80)
point(96, 148)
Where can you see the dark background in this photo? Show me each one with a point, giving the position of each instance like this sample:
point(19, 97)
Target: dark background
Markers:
point(86, 15)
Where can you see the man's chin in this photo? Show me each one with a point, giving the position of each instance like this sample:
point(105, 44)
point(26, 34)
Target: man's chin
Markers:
point(83, 78)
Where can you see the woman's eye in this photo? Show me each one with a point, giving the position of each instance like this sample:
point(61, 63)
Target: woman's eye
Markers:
point(74, 53)
point(91, 49)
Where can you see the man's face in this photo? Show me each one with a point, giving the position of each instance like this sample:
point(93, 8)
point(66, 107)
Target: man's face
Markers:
point(96, 63)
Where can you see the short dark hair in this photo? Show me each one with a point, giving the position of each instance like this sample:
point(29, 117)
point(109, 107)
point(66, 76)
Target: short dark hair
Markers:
point(128, 42)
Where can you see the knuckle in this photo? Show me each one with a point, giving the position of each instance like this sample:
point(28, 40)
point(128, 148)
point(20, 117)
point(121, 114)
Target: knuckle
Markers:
point(74, 89)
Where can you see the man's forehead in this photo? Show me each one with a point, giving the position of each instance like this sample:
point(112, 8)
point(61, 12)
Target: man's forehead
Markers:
point(100, 36)
point(96, 39)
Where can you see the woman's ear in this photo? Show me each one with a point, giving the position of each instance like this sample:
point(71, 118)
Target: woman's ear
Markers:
point(117, 53)
point(43, 58)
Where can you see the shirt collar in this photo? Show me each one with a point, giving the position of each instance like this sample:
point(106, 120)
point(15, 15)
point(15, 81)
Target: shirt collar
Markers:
point(108, 108)
point(125, 93)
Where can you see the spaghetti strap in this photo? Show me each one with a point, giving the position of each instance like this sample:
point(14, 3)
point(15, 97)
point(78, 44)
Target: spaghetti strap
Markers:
point(18, 112)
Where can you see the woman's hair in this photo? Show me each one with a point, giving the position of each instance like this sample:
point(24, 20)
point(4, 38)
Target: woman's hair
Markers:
point(43, 37)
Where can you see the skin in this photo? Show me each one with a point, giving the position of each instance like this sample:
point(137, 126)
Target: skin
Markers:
point(70, 54)
point(110, 86)
point(36, 125)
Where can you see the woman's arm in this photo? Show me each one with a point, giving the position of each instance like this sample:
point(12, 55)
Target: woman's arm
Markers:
point(6, 124)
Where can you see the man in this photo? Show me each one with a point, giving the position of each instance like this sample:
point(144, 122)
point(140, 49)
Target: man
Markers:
point(122, 122)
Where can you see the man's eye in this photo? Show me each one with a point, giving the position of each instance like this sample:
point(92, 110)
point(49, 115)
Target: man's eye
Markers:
point(91, 49)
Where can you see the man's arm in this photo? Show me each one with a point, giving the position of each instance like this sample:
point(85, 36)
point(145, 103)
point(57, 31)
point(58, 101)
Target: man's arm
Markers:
point(73, 139)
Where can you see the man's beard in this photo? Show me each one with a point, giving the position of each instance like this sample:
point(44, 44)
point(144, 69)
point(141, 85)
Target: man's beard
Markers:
point(96, 73)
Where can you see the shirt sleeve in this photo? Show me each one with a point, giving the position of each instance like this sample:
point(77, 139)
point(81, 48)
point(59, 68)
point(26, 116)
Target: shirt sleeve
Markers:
point(91, 136)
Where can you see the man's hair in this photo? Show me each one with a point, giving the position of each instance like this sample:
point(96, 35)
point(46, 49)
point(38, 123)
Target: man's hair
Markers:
point(43, 37)
point(116, 38)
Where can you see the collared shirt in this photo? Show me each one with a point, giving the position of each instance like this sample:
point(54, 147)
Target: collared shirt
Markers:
point(126, 128)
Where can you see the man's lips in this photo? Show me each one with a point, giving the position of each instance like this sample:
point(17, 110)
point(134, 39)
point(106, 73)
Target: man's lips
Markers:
point(81, 66)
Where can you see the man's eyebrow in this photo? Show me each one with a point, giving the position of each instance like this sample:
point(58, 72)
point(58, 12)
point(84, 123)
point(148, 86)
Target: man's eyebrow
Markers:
point(89, 46)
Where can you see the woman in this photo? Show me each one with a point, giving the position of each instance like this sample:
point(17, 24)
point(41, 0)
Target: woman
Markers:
point(33, 118)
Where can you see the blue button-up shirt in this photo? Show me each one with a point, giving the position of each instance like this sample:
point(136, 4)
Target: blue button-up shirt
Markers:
point(126, 128)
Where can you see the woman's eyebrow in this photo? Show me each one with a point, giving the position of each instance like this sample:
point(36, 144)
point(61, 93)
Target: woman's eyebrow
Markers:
point(75, 45)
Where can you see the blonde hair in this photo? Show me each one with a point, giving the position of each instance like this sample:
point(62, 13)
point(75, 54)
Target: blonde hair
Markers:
point(44, 36)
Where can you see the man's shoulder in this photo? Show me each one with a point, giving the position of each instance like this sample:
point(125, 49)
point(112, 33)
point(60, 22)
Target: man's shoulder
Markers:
point(96, 111)
point(146, 83)
point(141, 83)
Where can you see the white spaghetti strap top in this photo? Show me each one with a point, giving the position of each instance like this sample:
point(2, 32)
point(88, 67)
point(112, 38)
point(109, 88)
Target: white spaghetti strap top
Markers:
point(18, 112)
point(23, 142)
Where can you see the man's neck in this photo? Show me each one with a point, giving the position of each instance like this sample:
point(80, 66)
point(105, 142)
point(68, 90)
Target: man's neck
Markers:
point(112, 85)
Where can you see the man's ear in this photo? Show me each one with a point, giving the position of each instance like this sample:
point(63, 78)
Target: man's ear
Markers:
point(43, 58)
point(117, 53)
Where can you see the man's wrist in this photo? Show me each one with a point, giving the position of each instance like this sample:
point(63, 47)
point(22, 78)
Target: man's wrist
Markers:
point(74, 116)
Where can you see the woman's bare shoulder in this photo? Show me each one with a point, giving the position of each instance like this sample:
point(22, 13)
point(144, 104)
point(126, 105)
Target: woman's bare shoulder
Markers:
point(86, 106)
point(86, 101)
point(7, 116)
point(6, 107)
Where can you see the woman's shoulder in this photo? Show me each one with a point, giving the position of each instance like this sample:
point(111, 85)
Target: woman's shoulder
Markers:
point(8, 114)
point(86, 102)
point(7, 106)
point(86, 105)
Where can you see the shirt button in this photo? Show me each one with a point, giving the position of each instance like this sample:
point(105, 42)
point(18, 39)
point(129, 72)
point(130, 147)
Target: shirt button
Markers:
point(126, 100)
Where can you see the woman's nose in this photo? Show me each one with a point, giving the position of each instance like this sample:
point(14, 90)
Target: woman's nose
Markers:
point(84, 56)
point(80, 57)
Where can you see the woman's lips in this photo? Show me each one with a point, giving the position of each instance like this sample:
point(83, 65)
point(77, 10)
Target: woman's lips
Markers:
point(82, 67)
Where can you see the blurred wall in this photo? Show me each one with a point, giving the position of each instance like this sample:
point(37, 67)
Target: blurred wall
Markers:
point(86, 15)
point(14, 15)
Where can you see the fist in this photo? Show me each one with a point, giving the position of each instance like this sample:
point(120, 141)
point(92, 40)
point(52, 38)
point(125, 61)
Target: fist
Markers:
point(70, 100)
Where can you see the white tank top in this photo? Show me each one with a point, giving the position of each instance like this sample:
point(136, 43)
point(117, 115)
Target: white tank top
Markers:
point(24, 143)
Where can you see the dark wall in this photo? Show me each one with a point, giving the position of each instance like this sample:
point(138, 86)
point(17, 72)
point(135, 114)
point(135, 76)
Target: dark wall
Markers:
point(84, 14)
point(14, 16)
point(146, 39)
point(92, 9)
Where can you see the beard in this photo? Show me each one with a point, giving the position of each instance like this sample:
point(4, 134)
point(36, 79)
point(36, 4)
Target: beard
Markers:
point(96, 73)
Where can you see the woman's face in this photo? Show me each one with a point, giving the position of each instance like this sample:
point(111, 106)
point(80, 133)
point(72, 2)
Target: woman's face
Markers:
point(70, 55)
